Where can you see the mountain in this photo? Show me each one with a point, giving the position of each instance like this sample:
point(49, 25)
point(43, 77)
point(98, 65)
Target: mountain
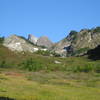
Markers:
point(16, 43)
point(59, 47)
point(75, 44)
point(44, 41)
point(78, 43)
point(32, 38)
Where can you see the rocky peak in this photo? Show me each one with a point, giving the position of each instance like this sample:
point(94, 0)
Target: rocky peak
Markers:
point(15, 43)
point(44, 41)
point(32, 38)
point(78, 42)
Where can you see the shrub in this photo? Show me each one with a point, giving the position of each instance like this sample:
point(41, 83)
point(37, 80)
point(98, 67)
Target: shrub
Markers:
point(96, 30)
point(79, 68)
point(1, 39)
point(73, 32)
point(47, 53)
point(86, 68)
point(32, 65)
point(3, 64)
point(94, 54)
point(81, 51)
point(44, 53)
point(74, 35)
point(97, 68)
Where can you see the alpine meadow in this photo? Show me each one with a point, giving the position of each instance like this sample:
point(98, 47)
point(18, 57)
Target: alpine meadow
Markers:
point(49, 50)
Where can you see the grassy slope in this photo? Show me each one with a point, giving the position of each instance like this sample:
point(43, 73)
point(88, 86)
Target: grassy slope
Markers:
point(15, 59)
point(47, 86)
point(42, 85)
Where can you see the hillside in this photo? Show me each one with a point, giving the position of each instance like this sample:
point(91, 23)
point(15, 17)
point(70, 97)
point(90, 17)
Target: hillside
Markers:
point(22, 85)
point(35, 77)
point(16, 43)
point(75, 44)
point(78, 43)
point(29, 75)
point(37, 62)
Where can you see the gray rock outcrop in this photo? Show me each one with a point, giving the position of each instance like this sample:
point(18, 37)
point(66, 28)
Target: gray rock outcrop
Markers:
point(44, 41)
point(78, 43)
point(32, 39)
point(16, 43)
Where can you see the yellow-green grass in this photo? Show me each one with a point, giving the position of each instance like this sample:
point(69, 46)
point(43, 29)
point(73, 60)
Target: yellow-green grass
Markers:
point(22, 85)
point(10, 59)
point(53, 82)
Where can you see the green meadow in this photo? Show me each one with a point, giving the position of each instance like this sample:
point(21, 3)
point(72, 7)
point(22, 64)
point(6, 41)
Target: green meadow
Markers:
point(37, 77)
point(22, 85)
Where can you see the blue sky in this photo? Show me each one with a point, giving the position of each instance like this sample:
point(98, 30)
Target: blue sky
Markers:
point(52, 18)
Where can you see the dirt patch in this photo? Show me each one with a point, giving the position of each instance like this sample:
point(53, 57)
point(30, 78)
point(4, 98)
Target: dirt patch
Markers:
point(13, 74)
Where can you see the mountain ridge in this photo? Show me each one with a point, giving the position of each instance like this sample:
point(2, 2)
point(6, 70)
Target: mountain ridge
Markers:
point(76, 41)
point(75, 44)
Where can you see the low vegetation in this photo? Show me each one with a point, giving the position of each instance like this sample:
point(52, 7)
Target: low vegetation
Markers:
point(1, 40)
point(26, 76)
point(96, 30)
point(81, 52)
point(44, 53)
point(23, 85)
point(75, 64)
point(36, 62)
point(94, 54)
point(73, 32)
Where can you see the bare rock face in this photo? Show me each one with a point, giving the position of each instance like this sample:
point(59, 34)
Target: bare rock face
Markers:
point(78, 43)
point(75, 44)
point(32, 39)
point(15, 43)
point(84, 41)
point(60, 47)
point(44, 41)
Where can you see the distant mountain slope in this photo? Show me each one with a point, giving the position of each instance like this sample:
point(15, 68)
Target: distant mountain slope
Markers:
point(44, 41)
point(75, 44)
point(16, 43)
point(78, 43)
point(59, 47)
point(32, 39)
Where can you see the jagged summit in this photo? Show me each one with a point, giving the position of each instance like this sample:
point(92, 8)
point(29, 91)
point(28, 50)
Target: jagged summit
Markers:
point(78, 43)
point(32, 38)
point(44, 41)
point(75, 44)
point(21, 44)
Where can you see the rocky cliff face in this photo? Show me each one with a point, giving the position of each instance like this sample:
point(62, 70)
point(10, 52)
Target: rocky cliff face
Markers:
point(32, 39)
point(16, 43)
point(78, 43)
point(60, 47)
point(44, 41)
